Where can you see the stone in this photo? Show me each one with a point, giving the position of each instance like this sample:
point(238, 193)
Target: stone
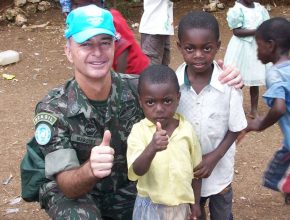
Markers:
point(220, 6)
point(10, 14)
point(20, 20)
point(44, 6)
point(19, 3)
point(2, 18)
point(210, 7)
point(31, 9)
point(33, 1)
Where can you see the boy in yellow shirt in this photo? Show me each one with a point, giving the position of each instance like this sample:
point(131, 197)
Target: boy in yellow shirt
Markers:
point(162, 152)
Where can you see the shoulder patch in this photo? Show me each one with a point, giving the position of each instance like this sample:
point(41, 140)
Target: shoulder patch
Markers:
point(43, 134)
point(44, 117)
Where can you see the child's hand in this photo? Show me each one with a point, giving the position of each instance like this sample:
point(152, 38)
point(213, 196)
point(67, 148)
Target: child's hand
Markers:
point(206, 166)
point(160, 139)
point(230, 75)
point(195, 212)
point(254, 124)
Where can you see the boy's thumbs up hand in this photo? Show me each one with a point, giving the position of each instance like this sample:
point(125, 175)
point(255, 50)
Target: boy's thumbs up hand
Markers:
point(160, 139)
point(102, 157)
point(158, 126)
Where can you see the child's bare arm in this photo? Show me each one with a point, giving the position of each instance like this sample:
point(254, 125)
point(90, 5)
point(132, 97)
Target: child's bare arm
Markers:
point(240, 32)
point(209, 161)
point(278, 109)
point(159, 142)
point(195, 208)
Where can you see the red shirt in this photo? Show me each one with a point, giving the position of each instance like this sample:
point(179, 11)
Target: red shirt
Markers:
point(137, 61)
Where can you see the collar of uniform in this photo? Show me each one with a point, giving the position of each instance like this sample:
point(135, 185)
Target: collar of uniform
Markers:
point(214, 81)
point(78, 101)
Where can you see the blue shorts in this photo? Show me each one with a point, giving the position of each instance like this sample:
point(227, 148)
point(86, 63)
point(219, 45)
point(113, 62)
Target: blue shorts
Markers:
point(276, 173)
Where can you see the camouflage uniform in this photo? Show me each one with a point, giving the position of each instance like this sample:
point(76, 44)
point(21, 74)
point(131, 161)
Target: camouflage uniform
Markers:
point(77, 126)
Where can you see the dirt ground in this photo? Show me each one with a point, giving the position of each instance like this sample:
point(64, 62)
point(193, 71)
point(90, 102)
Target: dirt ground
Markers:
point(43, 65)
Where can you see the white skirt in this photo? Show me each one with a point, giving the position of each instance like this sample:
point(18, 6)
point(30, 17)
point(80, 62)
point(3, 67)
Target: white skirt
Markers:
point(145, 209)
point(243, 55)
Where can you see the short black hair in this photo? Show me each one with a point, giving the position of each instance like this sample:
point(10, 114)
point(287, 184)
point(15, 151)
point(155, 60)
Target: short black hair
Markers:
point(276, 29)
point(198, 19)
point(158, 74)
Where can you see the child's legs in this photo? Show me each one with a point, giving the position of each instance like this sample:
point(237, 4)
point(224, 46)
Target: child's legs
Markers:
point(154, 47)
point(166, 54)
point(254, 93)
point(179, 212)
point(220, 205)
point(202, 207)
point(277, 169)
point(145, 209)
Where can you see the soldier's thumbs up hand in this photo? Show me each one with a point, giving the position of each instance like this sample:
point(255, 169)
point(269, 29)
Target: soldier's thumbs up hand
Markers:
point(159, 141)
point(106, 138)
point(102, 157)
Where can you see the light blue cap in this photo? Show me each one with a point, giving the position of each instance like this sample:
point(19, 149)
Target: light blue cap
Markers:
point(86, 22)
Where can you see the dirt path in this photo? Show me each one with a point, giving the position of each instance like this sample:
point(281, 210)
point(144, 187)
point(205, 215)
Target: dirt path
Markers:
point(43, 66)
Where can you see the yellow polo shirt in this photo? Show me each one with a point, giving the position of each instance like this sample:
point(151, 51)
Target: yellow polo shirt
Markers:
point(168, 181)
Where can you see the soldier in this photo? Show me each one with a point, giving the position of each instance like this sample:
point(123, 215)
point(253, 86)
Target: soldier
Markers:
point(86, 169)
point(88, 181)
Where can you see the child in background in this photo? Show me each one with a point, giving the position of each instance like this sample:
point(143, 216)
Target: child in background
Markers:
point(273, 39)
point(243, 19)
point(128, 57)
point(215, 110)
point(162, 152)
point(156, 27)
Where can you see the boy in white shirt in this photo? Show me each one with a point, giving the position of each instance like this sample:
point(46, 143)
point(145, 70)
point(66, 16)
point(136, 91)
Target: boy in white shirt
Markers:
point(214, 109)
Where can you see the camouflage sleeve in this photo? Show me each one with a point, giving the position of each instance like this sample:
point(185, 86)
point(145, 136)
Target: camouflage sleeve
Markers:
point(52, 135)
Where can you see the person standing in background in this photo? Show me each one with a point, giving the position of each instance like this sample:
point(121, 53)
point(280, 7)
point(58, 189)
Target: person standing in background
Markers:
point(156, 27)
point(243, 19)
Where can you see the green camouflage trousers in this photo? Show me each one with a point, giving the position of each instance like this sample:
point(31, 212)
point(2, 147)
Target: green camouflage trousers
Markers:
point(109, 206)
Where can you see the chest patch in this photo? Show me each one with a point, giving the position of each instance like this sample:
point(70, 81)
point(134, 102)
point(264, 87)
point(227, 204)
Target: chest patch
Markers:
point(83, 139)
point(90, 129)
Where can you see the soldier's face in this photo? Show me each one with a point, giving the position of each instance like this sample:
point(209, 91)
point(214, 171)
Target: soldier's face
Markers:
point(92, 59)
point(159, 102)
